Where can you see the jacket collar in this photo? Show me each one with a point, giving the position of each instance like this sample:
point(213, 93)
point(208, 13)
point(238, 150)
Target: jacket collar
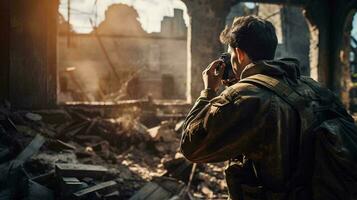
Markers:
point(286, 67)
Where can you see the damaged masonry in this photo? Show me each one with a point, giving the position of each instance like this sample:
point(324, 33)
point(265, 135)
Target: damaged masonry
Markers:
point(96, 110)
point(76, 153)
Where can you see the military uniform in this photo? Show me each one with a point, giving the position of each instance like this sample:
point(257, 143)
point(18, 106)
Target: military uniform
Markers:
point(249, 126)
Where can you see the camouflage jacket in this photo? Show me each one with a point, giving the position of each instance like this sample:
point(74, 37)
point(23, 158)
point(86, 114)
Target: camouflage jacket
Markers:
point(248, 120)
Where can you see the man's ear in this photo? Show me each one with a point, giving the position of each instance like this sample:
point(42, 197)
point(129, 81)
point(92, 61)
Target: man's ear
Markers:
point(241, 55)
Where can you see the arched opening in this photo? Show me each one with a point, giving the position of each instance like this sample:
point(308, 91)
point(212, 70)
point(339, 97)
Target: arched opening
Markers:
point(348, 59)
point(122, 50)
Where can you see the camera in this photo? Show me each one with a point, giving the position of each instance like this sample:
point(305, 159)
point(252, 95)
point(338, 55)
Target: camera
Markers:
point(228, 71)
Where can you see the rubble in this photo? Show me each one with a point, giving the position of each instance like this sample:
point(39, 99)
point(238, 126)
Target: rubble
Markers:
point(100, 189)
point(79, 170)
point(76, 153)
point(161, 188)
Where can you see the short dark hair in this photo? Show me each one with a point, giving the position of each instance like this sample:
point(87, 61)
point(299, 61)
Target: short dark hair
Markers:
point(253, 35)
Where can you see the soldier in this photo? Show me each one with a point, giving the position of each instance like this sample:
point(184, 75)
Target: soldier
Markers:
point(260, 123)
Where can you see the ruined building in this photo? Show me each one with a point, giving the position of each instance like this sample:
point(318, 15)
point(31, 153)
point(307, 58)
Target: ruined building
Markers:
point(31, 51)
point(43, 61)
point(146, 64)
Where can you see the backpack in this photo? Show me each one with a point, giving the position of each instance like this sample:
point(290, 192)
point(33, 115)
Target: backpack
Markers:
point(326, 164)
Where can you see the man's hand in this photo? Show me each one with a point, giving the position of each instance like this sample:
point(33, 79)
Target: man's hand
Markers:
point(230, 81)
point(212, 75)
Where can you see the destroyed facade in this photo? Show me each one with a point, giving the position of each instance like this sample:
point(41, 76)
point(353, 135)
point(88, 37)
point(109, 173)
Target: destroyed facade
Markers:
point(117, 150)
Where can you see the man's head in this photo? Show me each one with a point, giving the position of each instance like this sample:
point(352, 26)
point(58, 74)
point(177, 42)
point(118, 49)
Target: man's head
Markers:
point(250, 39)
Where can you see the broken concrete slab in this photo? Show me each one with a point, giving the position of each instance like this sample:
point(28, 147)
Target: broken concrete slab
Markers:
point(80, 170)
point(33, 117)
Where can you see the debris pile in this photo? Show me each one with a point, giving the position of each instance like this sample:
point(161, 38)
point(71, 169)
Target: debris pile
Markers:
point(73, 153)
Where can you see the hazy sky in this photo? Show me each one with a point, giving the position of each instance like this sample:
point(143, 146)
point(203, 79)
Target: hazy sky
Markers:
point(150, 12)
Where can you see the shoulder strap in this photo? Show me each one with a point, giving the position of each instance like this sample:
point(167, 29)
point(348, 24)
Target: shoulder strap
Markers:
point(280, 88)
point(298, 102)
point(307, 124)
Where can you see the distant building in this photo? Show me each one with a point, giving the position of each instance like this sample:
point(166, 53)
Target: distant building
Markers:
point(174, 26)
point(147, 64)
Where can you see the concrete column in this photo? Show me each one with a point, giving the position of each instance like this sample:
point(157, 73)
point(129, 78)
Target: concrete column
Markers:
point(33, 72)
point(4, 48)
point(343, 60)
point(318, 15)
point(296, 45)
point(328, 20)
point(340, 44)
point(207, 20)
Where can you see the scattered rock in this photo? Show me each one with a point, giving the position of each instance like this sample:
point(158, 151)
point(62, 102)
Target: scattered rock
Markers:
point(33, 117)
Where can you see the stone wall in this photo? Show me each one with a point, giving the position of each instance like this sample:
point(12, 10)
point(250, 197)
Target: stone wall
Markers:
point(158, 60)
point(149, 58)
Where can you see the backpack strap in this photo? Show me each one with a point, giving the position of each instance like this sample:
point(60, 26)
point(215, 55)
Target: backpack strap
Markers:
point(278, 87)
point(300, 168)
point(288, 94)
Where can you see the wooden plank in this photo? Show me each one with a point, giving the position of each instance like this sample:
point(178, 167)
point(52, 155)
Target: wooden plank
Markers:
point(105, 187)
point(31, 149)
point(80, 170)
